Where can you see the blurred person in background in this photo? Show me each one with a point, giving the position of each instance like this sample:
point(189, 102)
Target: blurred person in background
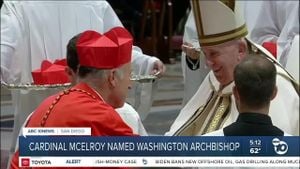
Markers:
point(276, 26)
point(33, 31)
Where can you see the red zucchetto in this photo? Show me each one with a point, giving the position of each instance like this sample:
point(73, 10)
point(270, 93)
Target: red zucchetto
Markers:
point(105, 51)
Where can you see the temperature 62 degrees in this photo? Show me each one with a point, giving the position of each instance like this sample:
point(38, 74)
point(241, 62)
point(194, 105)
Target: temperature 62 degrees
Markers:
point(255, 150)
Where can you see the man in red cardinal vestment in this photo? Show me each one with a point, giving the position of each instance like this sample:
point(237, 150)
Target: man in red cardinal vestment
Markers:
point(103, 83)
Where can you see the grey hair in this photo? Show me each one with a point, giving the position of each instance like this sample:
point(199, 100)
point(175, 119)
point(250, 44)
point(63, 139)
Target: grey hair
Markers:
point(93, 74)
point(102, 73)
point(119, 72)
point(99, 73)
point(241, 41)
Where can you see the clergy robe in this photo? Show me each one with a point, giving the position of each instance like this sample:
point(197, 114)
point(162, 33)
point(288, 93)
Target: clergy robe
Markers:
point(32, 31)
point(132, 119)
point(278, 21)
point(80, 106)
point(292, 65)
point(194, 72)
point(212, 108)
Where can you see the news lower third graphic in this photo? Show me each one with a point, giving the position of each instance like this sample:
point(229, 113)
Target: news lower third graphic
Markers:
point(79, 149)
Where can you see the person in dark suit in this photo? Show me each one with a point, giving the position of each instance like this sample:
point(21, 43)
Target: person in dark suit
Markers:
point(255, 87)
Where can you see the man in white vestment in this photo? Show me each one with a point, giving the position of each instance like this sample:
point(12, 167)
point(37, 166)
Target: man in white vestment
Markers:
point(32, 31)
point(278, 23)
point(255, 87)
point(193, 63)
point(221, 30)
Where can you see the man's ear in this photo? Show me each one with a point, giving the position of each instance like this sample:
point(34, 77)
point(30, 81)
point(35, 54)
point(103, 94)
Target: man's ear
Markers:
point(242, 49)
point(274, 93)
point(236, 94)
point(112, 78)
point(69, 72)
point(236, 97)
point(71, 75)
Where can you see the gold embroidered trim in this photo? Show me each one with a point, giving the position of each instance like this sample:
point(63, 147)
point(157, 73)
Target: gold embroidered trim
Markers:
point(198, 112)
point(217, 118)
point(215, 39)
point(194, 117)
point(220, 113)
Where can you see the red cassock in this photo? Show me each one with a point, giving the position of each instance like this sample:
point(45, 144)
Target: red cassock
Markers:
point(79, 106)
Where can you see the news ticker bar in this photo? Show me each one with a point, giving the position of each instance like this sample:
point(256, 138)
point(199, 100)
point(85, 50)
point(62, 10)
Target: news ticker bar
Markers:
point(135, 146)
point(159, 162)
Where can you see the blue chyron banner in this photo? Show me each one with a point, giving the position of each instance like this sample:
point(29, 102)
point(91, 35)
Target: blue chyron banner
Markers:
point(137, 146)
